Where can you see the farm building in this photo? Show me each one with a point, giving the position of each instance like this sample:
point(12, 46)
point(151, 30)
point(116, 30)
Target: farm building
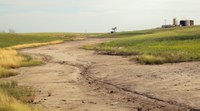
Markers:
point(181, 24)
point(187, 22)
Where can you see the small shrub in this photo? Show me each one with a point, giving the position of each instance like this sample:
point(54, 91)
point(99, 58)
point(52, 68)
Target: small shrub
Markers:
point(164, 58)
point(150, 59)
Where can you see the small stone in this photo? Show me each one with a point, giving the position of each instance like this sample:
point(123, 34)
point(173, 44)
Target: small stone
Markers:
point(139, 75)
point(91, 102)
point(111, 92)
point(139, 109)
point(38, 102)
point(83, 101)
point(63, 100)
point(128, 100)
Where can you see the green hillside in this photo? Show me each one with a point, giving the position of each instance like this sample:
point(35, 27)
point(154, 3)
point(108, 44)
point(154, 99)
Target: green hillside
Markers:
point(156, 46)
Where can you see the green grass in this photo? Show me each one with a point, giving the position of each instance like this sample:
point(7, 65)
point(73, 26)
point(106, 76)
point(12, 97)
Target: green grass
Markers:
point(156, 46)
point(131, 33)
point(28, 61)
point(7, 39)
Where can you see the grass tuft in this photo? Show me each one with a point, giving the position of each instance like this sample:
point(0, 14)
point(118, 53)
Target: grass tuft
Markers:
point(163, 58)
point(151, 59)
point(6, 73)
point(13, 97)
point(23, 94)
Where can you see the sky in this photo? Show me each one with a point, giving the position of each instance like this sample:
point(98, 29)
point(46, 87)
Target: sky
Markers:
point(93, 15)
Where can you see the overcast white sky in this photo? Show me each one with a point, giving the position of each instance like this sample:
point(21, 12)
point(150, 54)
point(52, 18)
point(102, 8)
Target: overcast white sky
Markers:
point(93, 15)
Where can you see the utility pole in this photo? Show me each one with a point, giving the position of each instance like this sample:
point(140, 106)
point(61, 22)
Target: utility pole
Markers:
point(165, 21)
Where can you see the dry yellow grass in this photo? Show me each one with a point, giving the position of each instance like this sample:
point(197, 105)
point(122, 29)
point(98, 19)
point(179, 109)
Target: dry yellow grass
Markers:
point(35, 44)
point(10, 58)
point(6, 73)
point(8, 103)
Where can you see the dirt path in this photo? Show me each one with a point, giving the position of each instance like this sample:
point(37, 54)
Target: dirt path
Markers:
point(80, 80)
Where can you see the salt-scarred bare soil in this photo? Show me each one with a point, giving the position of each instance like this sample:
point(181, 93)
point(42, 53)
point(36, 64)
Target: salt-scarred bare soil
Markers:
point(81, 80)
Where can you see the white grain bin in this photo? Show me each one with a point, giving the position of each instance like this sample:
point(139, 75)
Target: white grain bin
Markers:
point(187, 22)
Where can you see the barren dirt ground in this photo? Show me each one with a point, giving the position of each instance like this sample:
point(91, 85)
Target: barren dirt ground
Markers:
point(81, 80)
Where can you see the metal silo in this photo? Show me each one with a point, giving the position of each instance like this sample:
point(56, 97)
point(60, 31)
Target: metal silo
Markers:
point(191, 22)
point(175, 22)
point(183, 23)
point(187, 23)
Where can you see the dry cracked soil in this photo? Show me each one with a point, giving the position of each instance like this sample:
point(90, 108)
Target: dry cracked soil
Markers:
point(80, 80)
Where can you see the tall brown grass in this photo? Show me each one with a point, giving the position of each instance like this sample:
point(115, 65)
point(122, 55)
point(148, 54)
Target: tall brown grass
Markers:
point(6, 73)
point(9, 103)
point(10, 58)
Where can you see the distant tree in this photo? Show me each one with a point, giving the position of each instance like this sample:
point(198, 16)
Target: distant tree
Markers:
point(11, 31)
point(3, 31)
point(113, 30)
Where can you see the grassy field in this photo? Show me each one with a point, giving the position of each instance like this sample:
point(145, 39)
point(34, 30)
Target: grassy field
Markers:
point(7, 39)
point(156, 46)
point(10, 58)
point(13, 97)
